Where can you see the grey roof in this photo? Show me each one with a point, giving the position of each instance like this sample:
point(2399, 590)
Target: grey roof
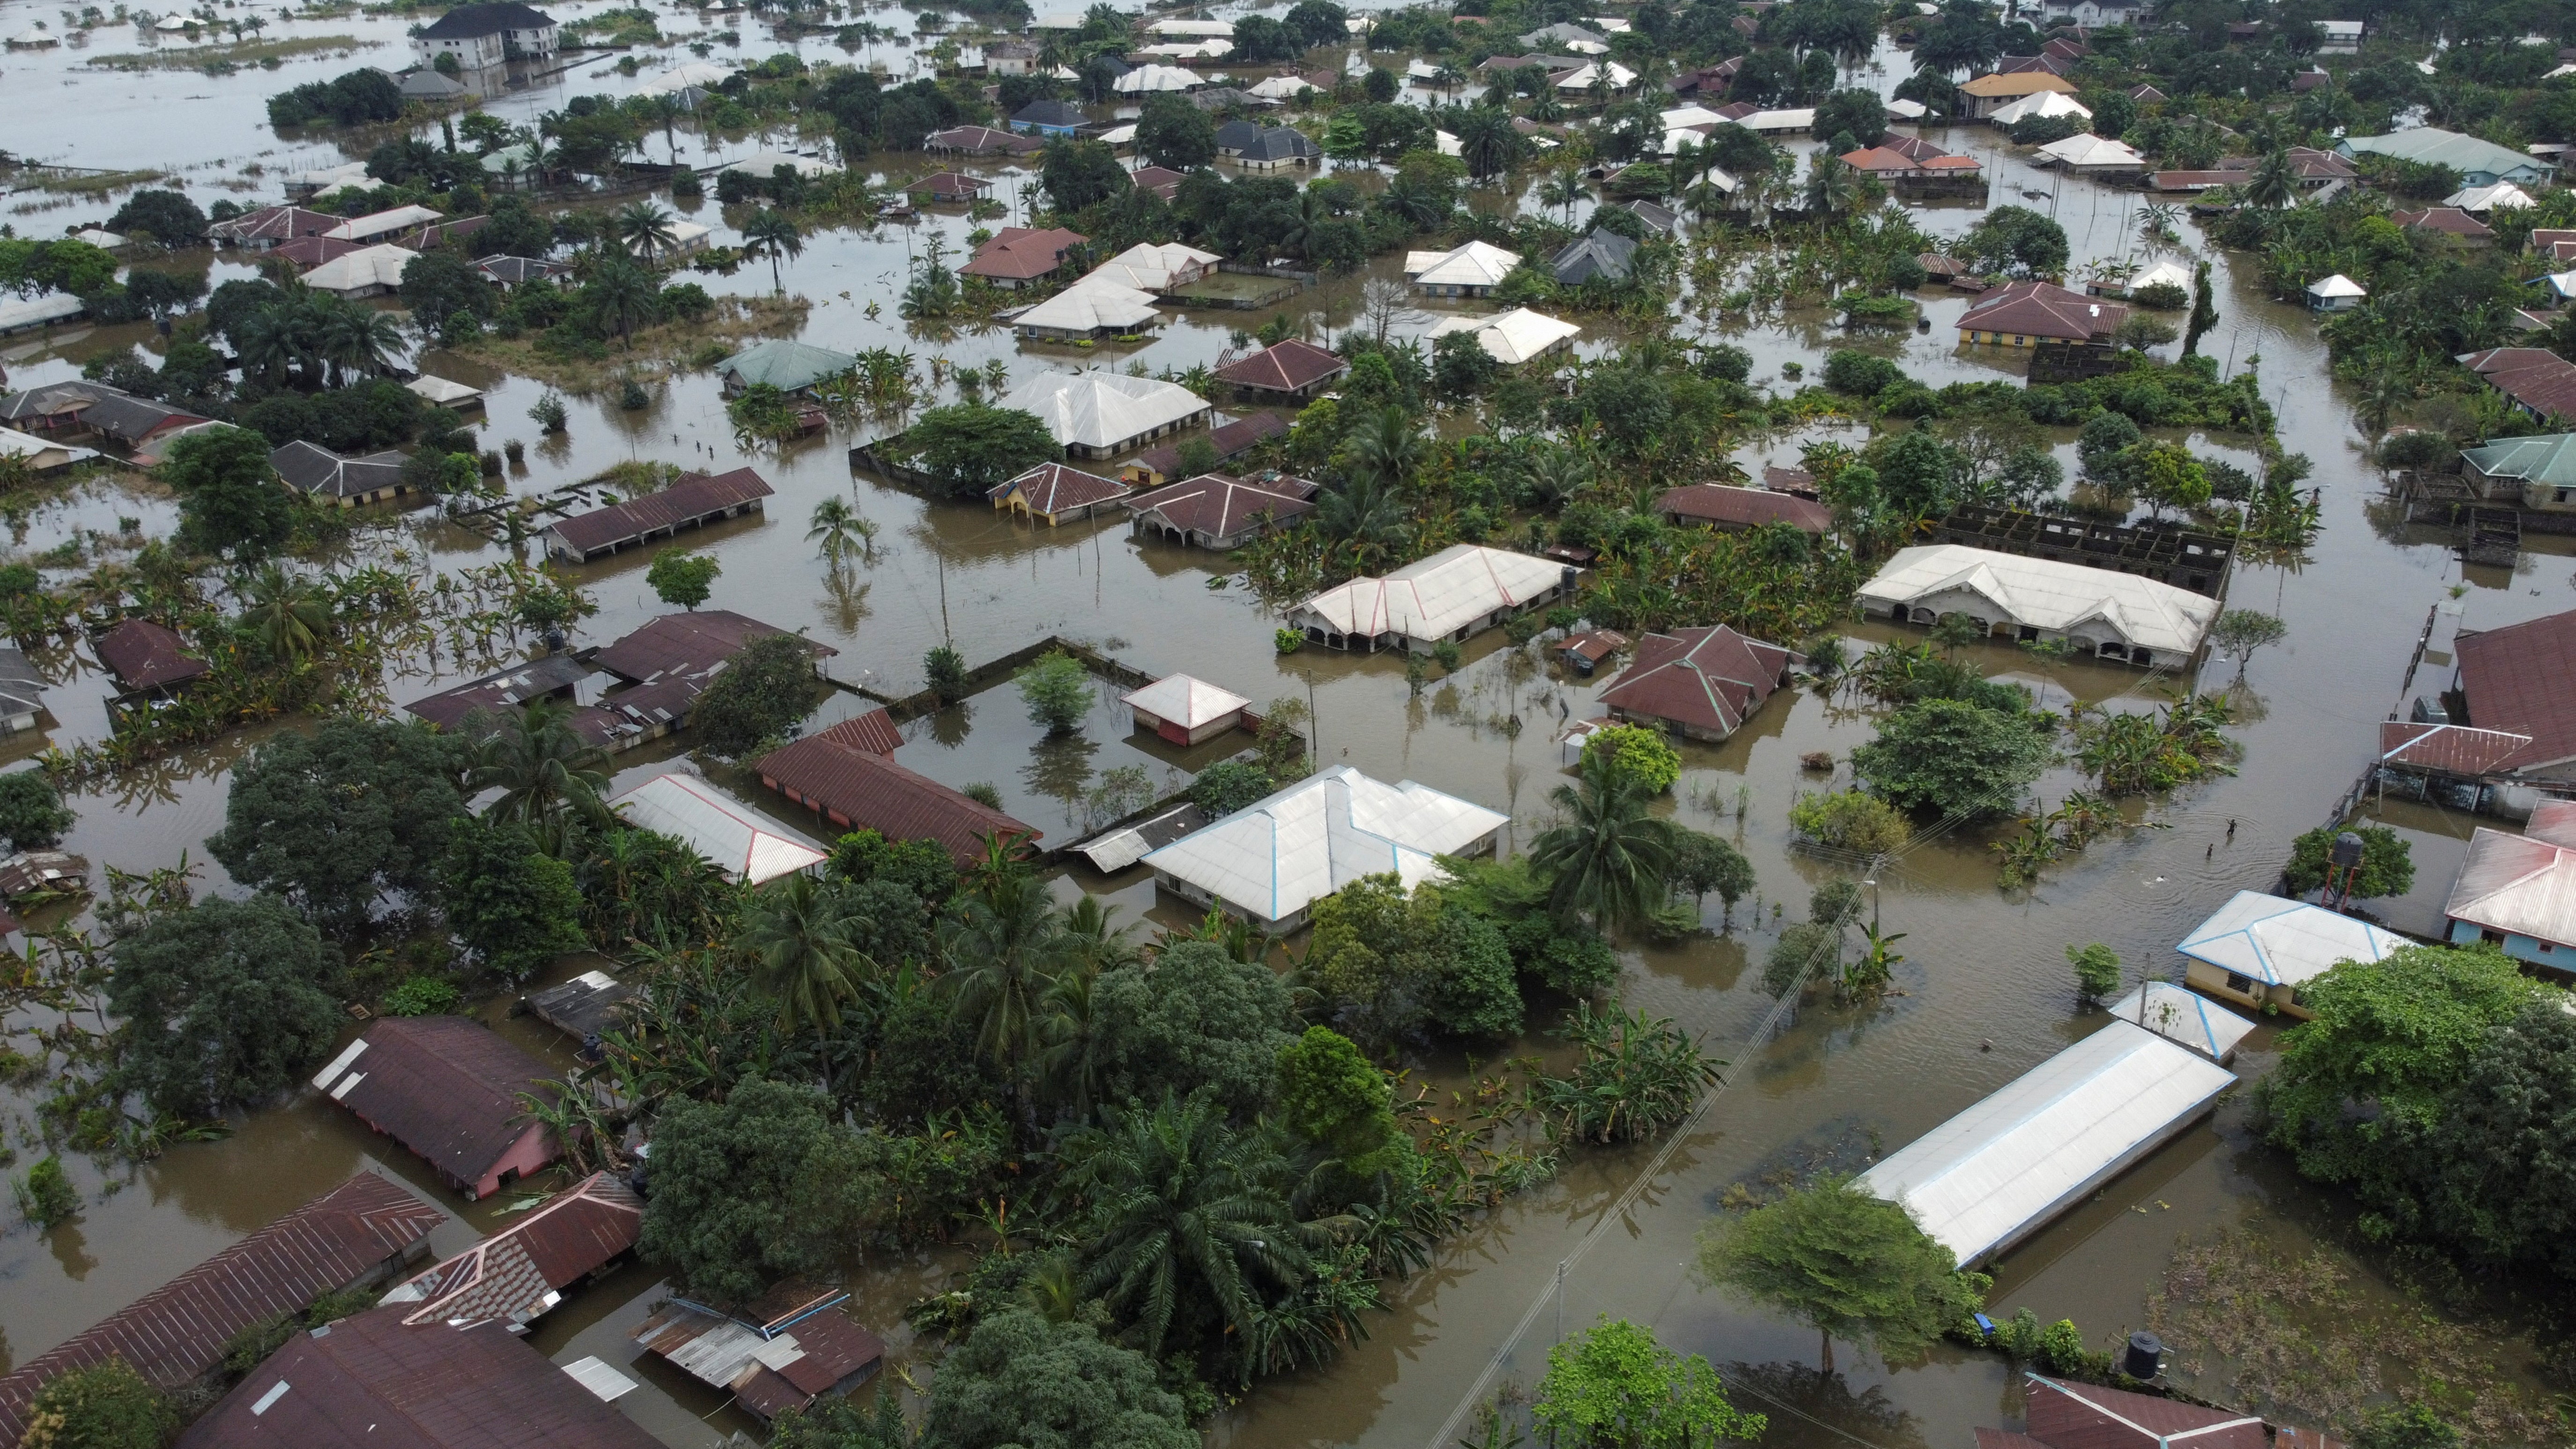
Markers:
point(430, 85)
point(466, 22)
point(1604, 254)
point(2432, 146)
point(314, 470)
point(22, 689)
point(1051, 113)
point(1563, 34)
point(1269, 143)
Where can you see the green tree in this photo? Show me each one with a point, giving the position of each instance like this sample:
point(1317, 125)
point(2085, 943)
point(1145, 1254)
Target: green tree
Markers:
point(2405, 1426)
point(440, 285)
point(1003, 947)
point(621, 297)
point(229, 498)
point(2242, 631)
point(1610, 858)
point(160, 215)
point(1336, 1101)
point(683, 578)
point(2500, 1180)
point(334, 819)
point(32, 813)
point(2097, 970)
point(1637, 753)
point(1847, 1264)
point(1952, 758)
point(223, 1003)
point(103, 1406)
point(1703, 862)
point(2204, 311)
point(1057, 690)
point(798, 933)
point(641, 227)
point(1194, 1021)
point(2387, 861)
point(766, 687)
point(1487, 142)
point(1021, 1380)
point(967, 448)
point(748, 1190)
point(290, 616)
point(541, 766)
point(1615, 1386)
point(1853, 820)
point(944, 669)
point(513, 905)
point(1078, 174)
point(1173, 132)
point(841, 532)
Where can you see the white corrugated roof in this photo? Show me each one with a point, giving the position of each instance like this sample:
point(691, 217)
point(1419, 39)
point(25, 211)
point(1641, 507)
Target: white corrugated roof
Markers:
point(376, 266)
point(440, 390)
point(51, 307)
point(1151, 266)
point(1218, 28)
point(2504, 195)
point(1154, 78)
point(1089, 305)
point(1581, 80)
point(1282, 87)
point(2340, 285)
point(2185, 1016)
point(2163, 272)
point(16, 444)
point(594, 1374)
point(1435, 597)
point(1982, 1180)
point(1275, 857)
point(2517, 884)
point(1513, 337)
point(1207, 49)
point(1796, 118)
point(1681, 116)
point(1184, 701)
point(765, 164)
point(2040, 105)
point(1097, 409)
point(380, 223)
point(2091, 150)
point(738, 840)
point(2283, 942)
point(2046, 594)
point(1477, 264)
point(680, 77)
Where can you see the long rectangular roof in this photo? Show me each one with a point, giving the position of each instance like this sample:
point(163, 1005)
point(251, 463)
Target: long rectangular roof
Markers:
point(501, 690)
point(745, 844)
point(2043, 309)
point(1471, 264)
point(447, 1087)
point(697, 641)
point(2281, 942)
point(2521, 679)
point(1280, 854)
point(1511, 338)
point(692, 496)
point(1989, 1177)
point(1217, 505)
point(1437, 596)
point(840, 771)
point(2432, 146)
point(2047, 594)
point(2535, 377)
point(178, 1330)
point(1101, 409)
point(1153, 266)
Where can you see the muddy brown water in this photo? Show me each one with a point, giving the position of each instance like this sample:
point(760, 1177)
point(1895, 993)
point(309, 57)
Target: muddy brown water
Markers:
point(1983, 994)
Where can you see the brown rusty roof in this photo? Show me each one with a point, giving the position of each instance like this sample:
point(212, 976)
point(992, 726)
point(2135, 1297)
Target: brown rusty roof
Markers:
point(2522, 679)
point(2446, 749)
point(517, 1273)
point(1228, 439)
point(1053, 488)
point(1019, 253)
point(2043, 309)
point(507, 689)
point(370, 1380)
point(1284, 366)
point(1745, 507)
point(1709, 678)
point(2083, 1416)
point(693, 496)
point(447, 1087)
point(874, 732)
point(692, 643)
point(178, 1330)
point(2538, 379)
point(770, 1362)
point(1217, 505)
point(145, 655)
point(1595, 646)
point(872, 792)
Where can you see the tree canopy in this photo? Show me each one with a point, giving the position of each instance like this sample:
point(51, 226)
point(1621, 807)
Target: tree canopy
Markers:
point(968, 448)
point(1193, 1020)
point(333, 819)
point(1019, 1380)
point(746, 1191)
point(1846, 1263)
point(225, 1002)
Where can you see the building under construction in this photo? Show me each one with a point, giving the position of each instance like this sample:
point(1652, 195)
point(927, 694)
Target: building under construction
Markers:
point(2167, 553)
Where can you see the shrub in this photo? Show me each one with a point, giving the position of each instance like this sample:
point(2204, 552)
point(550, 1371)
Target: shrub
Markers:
point(2097, 970)
point(1637, 752)
point(1057, 690)
point(45, 1193)
point(1849, 820)
point(2387, 861)
point(107, 1406)
point(1229, 785)
point(423, 996)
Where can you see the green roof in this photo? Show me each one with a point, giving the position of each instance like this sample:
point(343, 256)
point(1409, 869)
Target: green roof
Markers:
point(2548, 459)
point(2431, 147)
point(786, 366)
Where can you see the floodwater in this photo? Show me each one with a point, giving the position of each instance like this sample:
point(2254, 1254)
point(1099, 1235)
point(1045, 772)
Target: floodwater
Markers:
point(1983, 994)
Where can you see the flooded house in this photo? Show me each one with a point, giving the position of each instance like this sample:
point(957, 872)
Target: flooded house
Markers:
point(448, 1088)
point(2517, 893)
point(356, 1235)
point(548, 676)
point(847, 775)
point(1735, 510)
point(726, 832)
point(1453, 595)
point(148, 658)
point(1215, 511)
point(1473, 269)
point(694, 501)
point(1104, 414)
point(1701, 683)
point(1272, 860)
point(2259, 951)
point(666, 665)
point(1156, 466)
point(22, 690)
point(1186, 711)
point(791, 367)
point(1057, 494)
point(2109, 615)
point(1020, 256)
point(1512, 338)
point(518, 1273)
point(1285, 371)
point(328, 477)
point(478, 37)
point(790, 1347)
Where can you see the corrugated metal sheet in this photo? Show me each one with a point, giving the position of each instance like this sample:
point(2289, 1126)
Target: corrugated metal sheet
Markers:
point(1184, 701)
point(1997, 1172)
point(2087, 1416)
point(2046, 594)
point(1277, 856)
point(2283, 942)
point(516, 1274)
point(1434, 597)
point(444, 1086)
point(2185, 1016)
point(738, 840)
point(2518, 885)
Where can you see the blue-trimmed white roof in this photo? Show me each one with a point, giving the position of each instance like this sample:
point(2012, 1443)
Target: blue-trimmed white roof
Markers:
point(1280, 854)
point(2184, 1016)
point(2284, 943)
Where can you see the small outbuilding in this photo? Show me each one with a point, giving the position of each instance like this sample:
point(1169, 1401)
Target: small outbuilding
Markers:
point(1057, 494)
point(789, 366)
point(148, 657)
point(1584, 652)
point(791, 1347)
point(448, 1088)
point(748, 846)
point(2260, 950)
point(1186, 711)
point(2337, 293)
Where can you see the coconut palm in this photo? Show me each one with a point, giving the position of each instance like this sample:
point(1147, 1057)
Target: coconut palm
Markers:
point(2384, 394)
point(1611, 857)
point(643, 228)
point(797, 933)
point(1363, 514)
point(1832, 186)
point(1190, 1223)
point(541, 767)
point(621, 298)
point(1557, 473)
point(1564, 189)
point(771, 234)
point(1003, 949)
point(1385, 448)
point(1486, 141)
point(290, 616)
point(352, 338)
point(2275, 182)
point(841, 531)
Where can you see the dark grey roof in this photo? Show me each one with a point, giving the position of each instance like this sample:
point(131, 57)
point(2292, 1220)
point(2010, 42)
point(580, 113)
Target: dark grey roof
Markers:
point(431, 85)
point(1050, 113)
point(1597, 254)
point(314, 470)
point(466, 22)
point(1236, 134)
point(21, 687)
point(513, 270)
point(1281, 143)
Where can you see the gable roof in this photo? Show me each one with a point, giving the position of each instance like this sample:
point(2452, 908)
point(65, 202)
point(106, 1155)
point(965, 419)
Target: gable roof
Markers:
point(1228, 439)
point(2043, 309)
point(697, 641)
point(22, 688)
point(832, 771)
point(2448, 220)
point(2521, 678)
point(1048, 112)
point(1437, 596)
point(693, 495)
point(179, 1330)
point(466, 22)
point(274, 223)
point(1284, 366)
point(518, 1273)
point(1594, 254)
point(1512, 337)
point(1280, 854)
point(2431, 146)
point(1747, 507)
point(746, 845)
point(1153, 266)
point(1474, 264)
point(2521, 885)
point(500, 690)
point(2047, 594)
point(375, 266)
point(2283, 942)
point(312, 468)
point(2535, 377)
point(2086, 1416)
point(1711, 678)
point(1099, 409)
point(1218, 506)
point(145, 655)
point(369, 1379)
point(2020, 83)
point(1185, 701)
point(978, 139)
point(1020, 253)
point(1053, 488)
point(2091, 150)
point(447, 1087)
point(1093, 304)
point(785, 365)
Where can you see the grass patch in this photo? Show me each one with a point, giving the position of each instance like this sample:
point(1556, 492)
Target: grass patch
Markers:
point(97, 183)
point(653, 353)
point(218, 59)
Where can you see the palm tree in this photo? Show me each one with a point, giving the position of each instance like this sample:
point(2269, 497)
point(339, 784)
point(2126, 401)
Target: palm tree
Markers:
point(621, 298)
point(350, 338)
point(643, 228)
point(1486, 141)
point(1190, 1219)
point(2275, 182)
point(797, 933)
point(1003, 950)
point(1610, 858)
point(264, 344)
point(770, 234)
point(1361, 513)
point(840, 531)
point(540, 765)
point(291, 616)
point(1385, 448)
point(2156, 221)
point(1564, 189)
point(2387, 391)
point(1091, 943)
point(1557, 474)
point(1831, 186)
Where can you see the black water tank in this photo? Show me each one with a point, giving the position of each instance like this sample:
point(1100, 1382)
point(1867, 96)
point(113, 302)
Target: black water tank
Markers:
point(2146, 1356)
point(1565, 579)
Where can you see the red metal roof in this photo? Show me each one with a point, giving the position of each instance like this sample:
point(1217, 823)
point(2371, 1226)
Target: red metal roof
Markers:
point(2447, 749)
point(873, 732)
point(2538, 379)
point(693, 496)
point(1709, 678)
point(2043, 309)
point(2449, 220)
point(977, 140)
point(1054, 488)
point(1163, 181)
point(1228, 440)
point(511, 1274)
point(1217, 505)
point(447, 1087)
point(1019, 253)
point(872, 792)
point(2522, 679)
point(178, 1331)
point(1745, 507)
point(145, 655)
point(693, 643)
point(370, 1380)
point(2083, 1416)
point(308, 252)
point(1286, 366)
